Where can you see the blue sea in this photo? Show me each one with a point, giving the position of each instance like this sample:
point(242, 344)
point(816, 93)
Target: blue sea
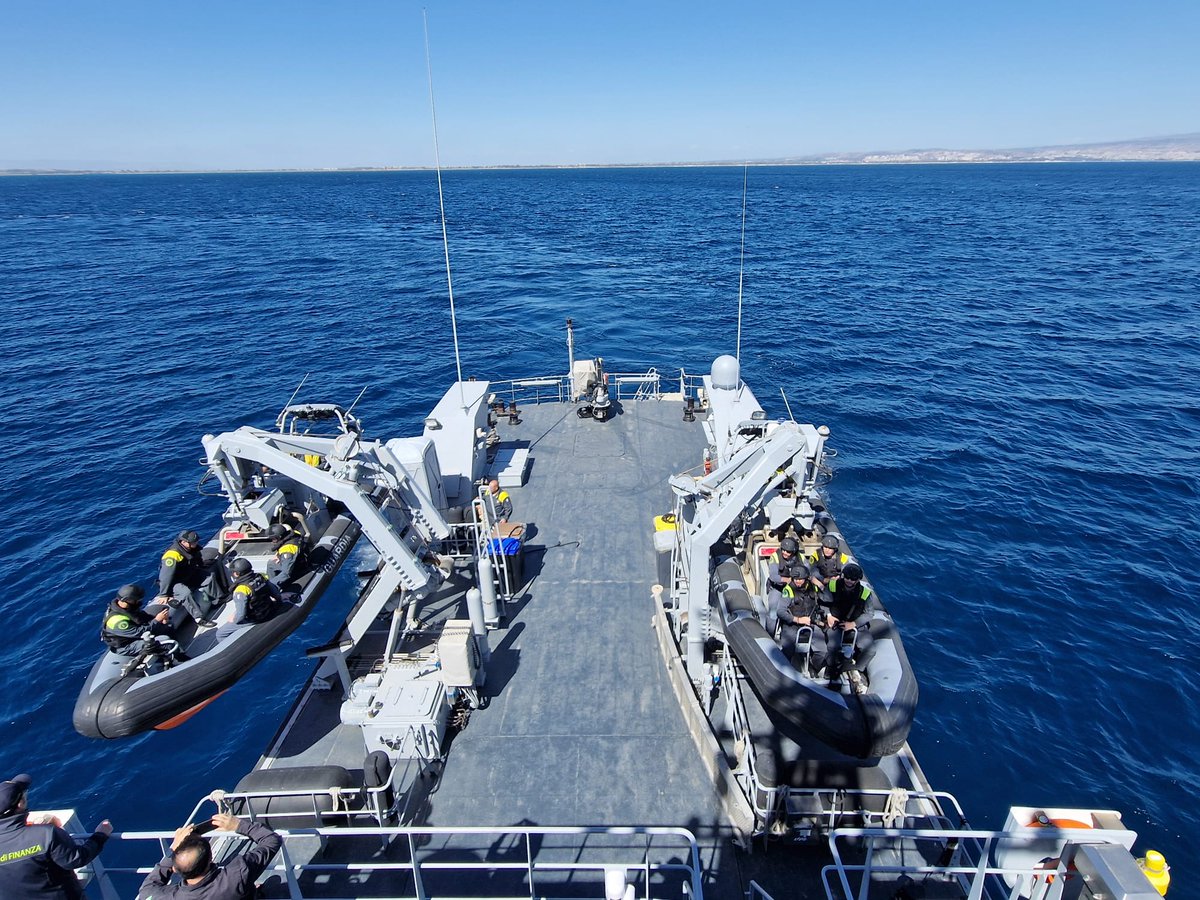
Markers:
point(1008, 358)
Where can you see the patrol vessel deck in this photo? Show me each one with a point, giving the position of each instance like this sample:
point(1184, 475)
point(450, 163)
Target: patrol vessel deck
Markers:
point(578, 759)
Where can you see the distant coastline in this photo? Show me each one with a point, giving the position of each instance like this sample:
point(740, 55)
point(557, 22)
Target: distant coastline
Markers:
point(1175, 148)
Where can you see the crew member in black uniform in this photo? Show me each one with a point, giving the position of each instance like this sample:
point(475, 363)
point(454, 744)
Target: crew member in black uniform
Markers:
point(255, 599)
point(799, 604)
point(36, 860)
point(827, 561)
point(215, 588)
point(128, 630)
point(847, 603)
point(779, 565)
point(289, 547)
point(181, 574)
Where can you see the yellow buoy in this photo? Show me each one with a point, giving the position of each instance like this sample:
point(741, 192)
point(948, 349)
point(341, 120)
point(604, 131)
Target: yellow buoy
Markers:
point(1156, 870)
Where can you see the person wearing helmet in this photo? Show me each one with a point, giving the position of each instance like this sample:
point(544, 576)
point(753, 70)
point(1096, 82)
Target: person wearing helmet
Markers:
point(799, 604)
point(128, 630)
point(778, 567)
point(781, 560)
point(827, 561)
point(254, 598)
point(847, 603)
point(288, 546)
point(181, 574)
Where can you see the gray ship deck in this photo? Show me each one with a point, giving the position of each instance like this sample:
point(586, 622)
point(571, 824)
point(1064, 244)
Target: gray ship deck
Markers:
point(581, 725)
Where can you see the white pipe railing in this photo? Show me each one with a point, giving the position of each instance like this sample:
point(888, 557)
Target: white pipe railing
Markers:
point(652, 864)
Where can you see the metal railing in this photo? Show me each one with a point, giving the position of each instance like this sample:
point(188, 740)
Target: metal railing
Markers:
point(996, 865)
point(490, 545)
point(330, 806)
point(755, 891)
point(420, 863)
point(647, 385)
point(538, 389)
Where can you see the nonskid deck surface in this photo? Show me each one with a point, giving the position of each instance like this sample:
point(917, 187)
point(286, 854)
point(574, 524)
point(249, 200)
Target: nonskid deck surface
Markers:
point(581, 726)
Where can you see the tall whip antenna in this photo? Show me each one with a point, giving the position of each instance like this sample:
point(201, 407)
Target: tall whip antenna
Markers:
point(437, 160)
point(742, 267)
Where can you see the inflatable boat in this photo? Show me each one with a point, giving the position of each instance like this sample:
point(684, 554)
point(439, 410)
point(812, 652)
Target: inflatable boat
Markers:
point(119, 699)
point(865, 716)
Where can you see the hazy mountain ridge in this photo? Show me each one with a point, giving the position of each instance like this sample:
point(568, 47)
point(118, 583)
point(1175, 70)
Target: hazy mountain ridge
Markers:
point(1174, 148)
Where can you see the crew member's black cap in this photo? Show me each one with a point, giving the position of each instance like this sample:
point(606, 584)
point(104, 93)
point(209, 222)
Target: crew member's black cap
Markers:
point(190, 536)
point(12, 791)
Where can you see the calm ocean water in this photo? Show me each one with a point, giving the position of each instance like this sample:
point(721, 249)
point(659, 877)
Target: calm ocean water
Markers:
point(1008, 358)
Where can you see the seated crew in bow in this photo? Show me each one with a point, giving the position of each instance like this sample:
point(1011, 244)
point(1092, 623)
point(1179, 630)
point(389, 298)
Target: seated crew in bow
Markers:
point(130, 631)
point(288, 547)
point(847, 605)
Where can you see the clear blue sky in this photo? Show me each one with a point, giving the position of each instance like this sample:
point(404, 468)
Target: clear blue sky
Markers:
point(164, 84)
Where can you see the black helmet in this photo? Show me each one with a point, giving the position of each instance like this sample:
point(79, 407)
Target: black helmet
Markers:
point(277, 531)
point(831, 540)
point(210, 554)
point(241, 566)
point(131, 594)
point(853, 571)
point(789, 545)
point(799, 570)
point(190, 536)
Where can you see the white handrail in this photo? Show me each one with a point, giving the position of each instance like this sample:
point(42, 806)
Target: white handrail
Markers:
point(655, 852)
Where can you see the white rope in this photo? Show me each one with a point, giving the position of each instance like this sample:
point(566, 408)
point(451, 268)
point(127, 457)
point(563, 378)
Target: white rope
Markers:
point(894, 810)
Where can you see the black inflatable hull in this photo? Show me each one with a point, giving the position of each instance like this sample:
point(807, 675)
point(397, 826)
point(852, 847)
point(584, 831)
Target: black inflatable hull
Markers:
point(863, 726)
point(113, 706)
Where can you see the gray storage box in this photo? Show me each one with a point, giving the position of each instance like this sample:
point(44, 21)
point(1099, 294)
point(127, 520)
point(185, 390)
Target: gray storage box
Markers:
point(404, 717)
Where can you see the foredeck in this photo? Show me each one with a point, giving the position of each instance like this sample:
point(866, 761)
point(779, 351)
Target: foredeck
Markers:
point(580, 726)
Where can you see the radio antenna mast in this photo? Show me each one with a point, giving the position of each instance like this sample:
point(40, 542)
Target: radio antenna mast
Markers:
point(296, 391)
point(437, 161)
point(742, 268)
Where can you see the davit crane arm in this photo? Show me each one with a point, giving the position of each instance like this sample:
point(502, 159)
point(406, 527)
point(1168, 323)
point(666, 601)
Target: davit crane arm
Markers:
point(363, 476)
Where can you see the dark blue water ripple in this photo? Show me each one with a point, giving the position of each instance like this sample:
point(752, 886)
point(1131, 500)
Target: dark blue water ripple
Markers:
point(1008, 358)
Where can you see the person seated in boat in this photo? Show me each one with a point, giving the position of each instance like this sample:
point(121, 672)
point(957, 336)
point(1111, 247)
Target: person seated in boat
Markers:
point(778, 565)
point(847, 607)
point(799, 604)
point(217, 584)
point(128, 630)
point(254, 598)
point(288, 546)
point(181, 574)
point(828, 559)
point(779, 562)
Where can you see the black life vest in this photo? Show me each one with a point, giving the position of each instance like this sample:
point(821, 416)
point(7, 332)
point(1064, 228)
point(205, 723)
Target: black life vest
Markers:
point(255, 593)
point(121, 627)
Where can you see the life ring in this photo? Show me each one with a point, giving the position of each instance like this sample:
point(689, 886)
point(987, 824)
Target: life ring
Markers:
point(1060, 823)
